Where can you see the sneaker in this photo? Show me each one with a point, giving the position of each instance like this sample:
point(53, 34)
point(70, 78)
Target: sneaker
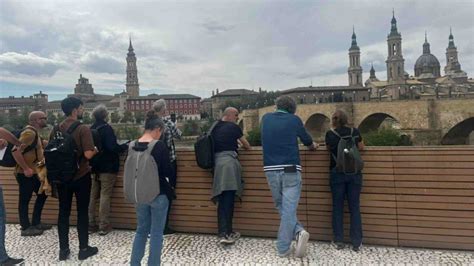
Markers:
point(234, 235)
point(92, 228)
point(12, 261)
point(338, 245)
point(87, 252)
point(105, 231)
point(43, 227)
point(301, 243)
point(288, 252)
point(31, 231)
point(357, 249)
point(226, 240)
point(64, 254)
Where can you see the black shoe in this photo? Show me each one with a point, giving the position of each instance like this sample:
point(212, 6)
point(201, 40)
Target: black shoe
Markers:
point(64, 254)
point(87, 252)
point(43, 227)
point(12, 261)
point(338, 245)
point(31, 231)
point(168, 231)
point(356, 249)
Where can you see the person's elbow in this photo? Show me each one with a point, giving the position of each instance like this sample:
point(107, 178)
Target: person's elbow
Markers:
point(89, 154)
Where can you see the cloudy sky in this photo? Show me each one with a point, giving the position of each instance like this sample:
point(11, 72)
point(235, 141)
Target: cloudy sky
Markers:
point(197, 46)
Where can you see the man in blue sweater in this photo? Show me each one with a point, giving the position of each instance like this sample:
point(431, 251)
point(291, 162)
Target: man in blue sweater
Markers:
point(281, 159)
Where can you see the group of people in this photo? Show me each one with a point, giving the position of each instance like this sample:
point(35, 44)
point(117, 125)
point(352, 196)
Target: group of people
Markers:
point(93, 181)
point(152, 158)
point(280, 132)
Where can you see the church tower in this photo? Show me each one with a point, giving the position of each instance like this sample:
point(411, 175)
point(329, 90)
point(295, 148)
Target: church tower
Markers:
point(453, 67)
point(395, 61)
point(132, 86)
point(355, 70)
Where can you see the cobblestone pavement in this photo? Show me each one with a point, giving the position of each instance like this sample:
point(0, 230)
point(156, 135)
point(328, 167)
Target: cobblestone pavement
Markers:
point(193, 249)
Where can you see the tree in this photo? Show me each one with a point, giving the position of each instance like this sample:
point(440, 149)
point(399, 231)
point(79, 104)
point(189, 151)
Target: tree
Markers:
point(51, 118)
point(386, 137)
point(114, 117)
point(127, 117)
point(86, 118)
point(191, 128)
point(139, 117)
point(254, 137)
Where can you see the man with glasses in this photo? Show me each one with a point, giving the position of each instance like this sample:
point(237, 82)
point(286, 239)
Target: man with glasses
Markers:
point(26, 173)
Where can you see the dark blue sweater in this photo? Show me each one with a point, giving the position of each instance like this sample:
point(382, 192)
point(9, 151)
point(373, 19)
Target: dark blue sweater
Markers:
point(280, 133)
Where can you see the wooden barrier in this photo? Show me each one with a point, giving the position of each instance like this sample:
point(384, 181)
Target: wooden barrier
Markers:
point(411, 196)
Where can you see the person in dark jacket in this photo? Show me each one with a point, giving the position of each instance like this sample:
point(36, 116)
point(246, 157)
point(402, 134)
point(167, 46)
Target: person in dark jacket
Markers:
point(105, 166)
point(344, 186)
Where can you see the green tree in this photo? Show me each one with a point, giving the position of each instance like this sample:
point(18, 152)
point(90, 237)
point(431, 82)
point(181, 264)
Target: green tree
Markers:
point(127, 117)
point(139, 117)
point(128, 132)
point(386, 137)
point(254, 137)
point(51, 118)
point(86, 118)
point(114, 117)
point(191, 128)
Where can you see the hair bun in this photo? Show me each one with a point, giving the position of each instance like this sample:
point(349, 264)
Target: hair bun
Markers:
point(151, 114)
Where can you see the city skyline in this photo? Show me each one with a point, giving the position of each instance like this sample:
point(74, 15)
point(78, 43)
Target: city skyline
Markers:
point(196, 47)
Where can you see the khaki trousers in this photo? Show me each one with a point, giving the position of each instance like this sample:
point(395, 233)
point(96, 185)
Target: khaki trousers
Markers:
point(103, 184)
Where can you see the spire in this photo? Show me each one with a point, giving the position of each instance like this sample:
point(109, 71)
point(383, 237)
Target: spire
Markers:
point(426, 46)
point(130, 47)
point(393, 30)
point(354, 40)
point(451, 39)
point(372, 71)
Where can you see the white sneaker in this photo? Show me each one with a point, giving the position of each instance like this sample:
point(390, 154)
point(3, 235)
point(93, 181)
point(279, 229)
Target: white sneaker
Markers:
point(301, 243)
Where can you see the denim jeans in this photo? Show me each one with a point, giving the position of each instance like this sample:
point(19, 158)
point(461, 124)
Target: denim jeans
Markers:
point(286, 191)
point(346, 186)
point(225, 212)
point(3, 220)
point(151, 220)
point(28, 185)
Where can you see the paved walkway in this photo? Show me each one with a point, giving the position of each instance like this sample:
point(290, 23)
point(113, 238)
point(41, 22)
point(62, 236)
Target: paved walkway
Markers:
point(192, 249)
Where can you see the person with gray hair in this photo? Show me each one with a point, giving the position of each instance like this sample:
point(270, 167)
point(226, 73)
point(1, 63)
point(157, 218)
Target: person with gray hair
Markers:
point(281, 159)
point(170, 133)
point(105, 166)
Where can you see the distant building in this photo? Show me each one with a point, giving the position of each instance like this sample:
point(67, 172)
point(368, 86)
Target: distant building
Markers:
point(206, 106)
point(186, 106)
point(220, 100)
point(15, 105)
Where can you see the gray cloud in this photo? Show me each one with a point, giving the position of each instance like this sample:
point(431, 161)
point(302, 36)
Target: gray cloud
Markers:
point(29, 64)
point(214, 27)
point(95, 62)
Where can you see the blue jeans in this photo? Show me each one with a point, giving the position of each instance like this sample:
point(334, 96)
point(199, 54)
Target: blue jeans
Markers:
point(346, 186)
point(3, 220)
point(286, 191)
point(151, 219)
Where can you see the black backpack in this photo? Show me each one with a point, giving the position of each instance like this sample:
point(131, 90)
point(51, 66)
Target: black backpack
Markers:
point(8, 160)
point(204, 149)
point(61, 155)
point(99, 157)
point(348, 159)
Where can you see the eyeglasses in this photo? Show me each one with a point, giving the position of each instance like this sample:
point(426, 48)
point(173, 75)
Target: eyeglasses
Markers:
point(45, 118)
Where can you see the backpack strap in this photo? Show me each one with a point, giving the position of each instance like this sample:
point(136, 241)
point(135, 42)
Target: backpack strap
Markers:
point(209, 132)
point(73, 127)
point(35, 141)
point(335, 132)
point(151, 146)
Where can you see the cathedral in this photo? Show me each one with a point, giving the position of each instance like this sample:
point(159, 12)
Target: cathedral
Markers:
point(427, 82)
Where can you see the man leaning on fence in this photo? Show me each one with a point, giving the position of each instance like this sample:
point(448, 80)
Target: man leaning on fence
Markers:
point(281, 159)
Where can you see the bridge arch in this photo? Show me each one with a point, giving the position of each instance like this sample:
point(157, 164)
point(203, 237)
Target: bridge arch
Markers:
point(460, 134)
point(317, 125)
point(374, 121)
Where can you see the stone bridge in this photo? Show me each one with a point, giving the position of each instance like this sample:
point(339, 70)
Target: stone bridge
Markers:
point(427, 122)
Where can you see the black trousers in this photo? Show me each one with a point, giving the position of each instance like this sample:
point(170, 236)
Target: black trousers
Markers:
point(173, 180)
point(81, 188)
point(225, 212)
point(28, 185)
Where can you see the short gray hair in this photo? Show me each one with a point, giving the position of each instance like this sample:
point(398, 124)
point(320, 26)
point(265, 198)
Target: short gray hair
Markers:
point(159, 105)
point(100, 112)
point(286, 103)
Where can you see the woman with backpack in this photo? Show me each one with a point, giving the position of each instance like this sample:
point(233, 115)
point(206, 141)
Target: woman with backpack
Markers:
point(343, 144)
point(146, 175)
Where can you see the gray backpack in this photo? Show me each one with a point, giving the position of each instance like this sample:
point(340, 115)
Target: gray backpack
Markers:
point(348, 159)
point(141, 182)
